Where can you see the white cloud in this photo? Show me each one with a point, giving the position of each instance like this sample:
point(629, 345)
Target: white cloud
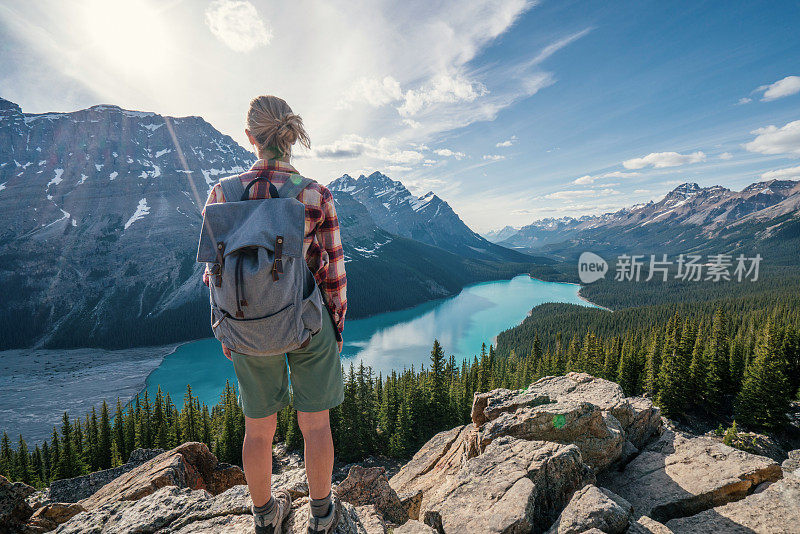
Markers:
point(352, 146)
point(237, 24)
point(447, 153)
point(507, 142)
point(585, 180)
point(790, 172)
point(493, 157)
point(659, 160)
point(785, 87)
point(374, 92)
point(580, 193)
point(774, 140)
point(589, 179)
point(725, 155)
point(443, 89)
point(744, 100)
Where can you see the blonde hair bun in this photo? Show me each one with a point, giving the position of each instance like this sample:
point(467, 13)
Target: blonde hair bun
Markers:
point(273, 124)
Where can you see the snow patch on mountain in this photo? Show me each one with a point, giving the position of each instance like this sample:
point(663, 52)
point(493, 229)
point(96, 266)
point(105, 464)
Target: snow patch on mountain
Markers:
point(142, 210)
point(57, 179)
point(112, 176)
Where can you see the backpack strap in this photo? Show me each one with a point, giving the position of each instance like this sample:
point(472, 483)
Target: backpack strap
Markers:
point(293, 185)
point(232, 188)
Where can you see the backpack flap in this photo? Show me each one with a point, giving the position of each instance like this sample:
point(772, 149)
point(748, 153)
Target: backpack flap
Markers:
point(230, 226)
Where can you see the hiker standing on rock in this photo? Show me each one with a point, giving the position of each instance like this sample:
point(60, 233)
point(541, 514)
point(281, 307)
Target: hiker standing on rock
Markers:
point(276, 273)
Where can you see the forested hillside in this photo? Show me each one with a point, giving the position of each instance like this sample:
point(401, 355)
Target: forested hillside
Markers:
point(737, 359)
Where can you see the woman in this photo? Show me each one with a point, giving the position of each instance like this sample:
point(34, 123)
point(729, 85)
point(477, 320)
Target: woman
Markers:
point(316, 376)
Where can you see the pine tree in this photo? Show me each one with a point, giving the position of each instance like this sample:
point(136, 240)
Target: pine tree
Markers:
point(628, 371)
point(119, 429)
point(612, 359)
point(23, 468)
point(400, 442)
point(6, 458)
point(437, 394)
point(116, 457)
point(674, 373)
point(653, 365)
point(764, 398)
point(718, 380)
point(46, 469)
point(104, 439)
point(69, 462)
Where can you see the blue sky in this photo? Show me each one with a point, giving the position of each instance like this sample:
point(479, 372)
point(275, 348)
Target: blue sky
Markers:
point(510, 110)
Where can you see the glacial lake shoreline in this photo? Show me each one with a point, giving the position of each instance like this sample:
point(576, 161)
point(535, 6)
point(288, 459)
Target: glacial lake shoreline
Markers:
point(384, 341)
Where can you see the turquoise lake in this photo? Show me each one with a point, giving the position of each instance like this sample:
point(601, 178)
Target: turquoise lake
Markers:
point(386, 341)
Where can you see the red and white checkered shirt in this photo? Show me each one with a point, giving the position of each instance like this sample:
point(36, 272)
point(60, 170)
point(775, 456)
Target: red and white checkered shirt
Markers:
point(323, 243)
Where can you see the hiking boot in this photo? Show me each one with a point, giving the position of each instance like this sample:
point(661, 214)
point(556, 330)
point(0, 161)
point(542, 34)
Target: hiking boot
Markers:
point(283, 504)
point(327, 524)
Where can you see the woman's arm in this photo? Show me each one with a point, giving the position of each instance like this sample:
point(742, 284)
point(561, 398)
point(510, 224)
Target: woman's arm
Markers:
point(334, 284)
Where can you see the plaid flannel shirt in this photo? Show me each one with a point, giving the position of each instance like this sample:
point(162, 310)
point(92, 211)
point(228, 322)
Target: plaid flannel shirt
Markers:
point(323, 243)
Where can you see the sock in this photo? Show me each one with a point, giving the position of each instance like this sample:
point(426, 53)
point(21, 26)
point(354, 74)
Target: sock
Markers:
point(266, 513)
point(321, 507)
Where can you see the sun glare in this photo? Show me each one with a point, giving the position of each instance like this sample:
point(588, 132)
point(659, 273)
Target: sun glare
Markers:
point(129, 34)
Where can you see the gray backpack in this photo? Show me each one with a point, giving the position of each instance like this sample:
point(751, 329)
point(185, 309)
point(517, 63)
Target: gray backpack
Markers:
point(264, 299)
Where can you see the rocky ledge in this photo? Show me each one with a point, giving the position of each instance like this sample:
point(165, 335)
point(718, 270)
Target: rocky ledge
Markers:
point(569, 454)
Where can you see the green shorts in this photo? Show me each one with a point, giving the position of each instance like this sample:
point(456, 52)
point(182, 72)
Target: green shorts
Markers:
point(316, 377)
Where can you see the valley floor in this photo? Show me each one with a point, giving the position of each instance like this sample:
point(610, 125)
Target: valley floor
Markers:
point(39, 385)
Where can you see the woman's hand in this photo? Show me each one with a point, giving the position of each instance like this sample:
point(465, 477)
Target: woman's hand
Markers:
point(226, 351)
point(340, 344)
point(206, 277)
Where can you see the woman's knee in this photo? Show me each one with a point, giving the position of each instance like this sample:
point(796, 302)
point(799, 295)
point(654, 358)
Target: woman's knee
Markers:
point(260, 429)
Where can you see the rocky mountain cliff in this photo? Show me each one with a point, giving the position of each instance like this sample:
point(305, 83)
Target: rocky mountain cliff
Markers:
point(689, 215)
point(100, 216)
point(569, 454)
point(100, 210)
point(428, 218)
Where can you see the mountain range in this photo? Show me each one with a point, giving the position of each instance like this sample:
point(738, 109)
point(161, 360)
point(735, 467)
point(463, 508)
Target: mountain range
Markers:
point(100, 211)
point(428, 218)
point(690, 217)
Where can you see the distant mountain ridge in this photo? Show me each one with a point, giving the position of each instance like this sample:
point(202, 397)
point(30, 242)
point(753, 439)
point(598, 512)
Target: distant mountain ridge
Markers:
point(497, 236)
point(688, 215)
point(428, 218)
point(100, 210)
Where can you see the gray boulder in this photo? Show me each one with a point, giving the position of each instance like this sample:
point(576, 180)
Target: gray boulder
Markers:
point(578, 408)
point(14, 509)
point(514, 486)
point(792, 463)
point(593, 507)
point(680, 475)
point(776, 510)
point(78, 488)
point(369, 486)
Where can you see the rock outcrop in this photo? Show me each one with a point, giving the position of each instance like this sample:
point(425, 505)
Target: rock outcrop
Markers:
point(776, 510)
point(369, 486)
point(578, 408)
point(593, 507)
point(190, 465)
point(14, 508)
point(567, 455)
point(75, 489)
point(679, 475)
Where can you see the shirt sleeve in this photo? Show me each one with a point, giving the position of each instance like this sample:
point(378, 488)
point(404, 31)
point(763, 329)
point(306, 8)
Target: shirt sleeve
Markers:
point(334, 285)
